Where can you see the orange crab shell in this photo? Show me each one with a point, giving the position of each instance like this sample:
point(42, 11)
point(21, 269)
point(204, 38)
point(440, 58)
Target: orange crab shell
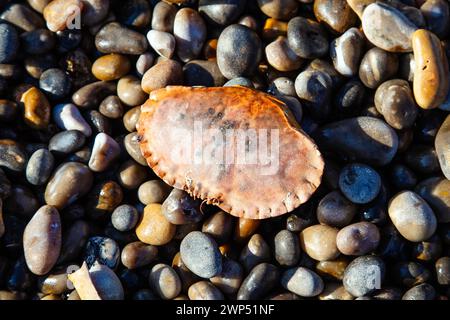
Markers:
point(250, 189)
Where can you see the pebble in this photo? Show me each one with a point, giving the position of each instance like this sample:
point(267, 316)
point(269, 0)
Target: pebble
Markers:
point(94, 11)
point(333, 269)
point(412, 216)
point(138, 254)
point(346, 52)
point(65, 142)
point(8, 110)
point(443, 271)
point(280, 56)
point(359, 183)
point(36, 108)
point(97, 283)
point(40, 167)
point(410, 274)
point(163, 17)
point(364, 275)
point(74, 240)
point(179, 208)
point(365, 139)
point(39, 41)
point(314, 89)
point(431, 73)
point(189, 31)
point(287, 248)
point(422, 291)
point(219, 12)
point(111, 67)
point(103, 199)
point(335, 291)
point(131, 143)
point(259, 282)
point(239, 81)
point(274, 28)
point(124, 217)
point(203, 73)
point(204, 290)
point(104, 152)
point(54, 283)
point(387, 28)
point(131, 174)
point(111, 107)
point(164, 73)
point(9, 43)
point(98, 122)
point(335, 14)
point(358, 239)
point(427, 251)
point(154, 228)
point(282, 86)
point(307, 38)
point(244, 228)
point(22, 17)
point(162, 42)
point(406, 67)
point(230, 279)
point(102, 250)
point(319, 242)
point(130, 92)
point(42, 240)
point(12, 155)
point(219, 226)
point(335, 210)
point(377, 66)
point(239, 50)
point(61, 14)
point(36, 65)
point(255, 252)
point(422, 158)
point(441, 145)
point(302, 281)
point(144, 62)
point(187, 277)
point(436, 192)
point(394, 100)
point(436, 13)
point(153, 191)
point(279, 9)
point(165, 281)
point(115, 38)
point(90, 95)
point(69, 182)
point(201, 254)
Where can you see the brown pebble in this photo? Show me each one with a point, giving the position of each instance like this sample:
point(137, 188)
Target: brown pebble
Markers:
point(319, 242)
point(281, 57)
point(60, 14)
point(130, 92)
point(358, 239)
point(333, 269)
point(131, 174)
point(111, 67)
point(153, 191)
point(162, 74)
point(204, 290)
point(131, 118)
point(138, 254)
point(154, 228)
point(336, 14)
point(245, 228)
point(36, 108)
point(165, 281)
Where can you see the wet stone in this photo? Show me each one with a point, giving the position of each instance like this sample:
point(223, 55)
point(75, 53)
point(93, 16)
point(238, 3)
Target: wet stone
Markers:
point(92, 94)
point(163, 16)
point(229, 280)
point(281, 56)
point(36, 108)
point(22, 17)
point(60, 14)
point(130, 92)
point(111, 107)
point(153, 191)
point(410, 274)
point(204, 290)
point(255, 252)
point(422, 291)
point(189, 30)
point(443, 271)
point(38, 41)
point(219, 226)
point(111, 67)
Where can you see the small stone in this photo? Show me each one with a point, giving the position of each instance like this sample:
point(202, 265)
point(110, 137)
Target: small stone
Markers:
point(22, 17)
point(164, 73)
point(94, 11)
point(245, 228)
point(443, 271)
point(279, 9)
point(231, 277)
point(358, 239)
point(154, 228)
point(335, 14)
point(441, 145)
point(65, 142)
point(377, 66)
point(55, 83)
point(201, 255)
point(131, 143)
point(189, 30)
point(423, 291)
point(314, 90)
point(219, 226)
point(104, 152)
point(90, 95)
point(9, 43)
point(69, 182)
point(436, 192)
point(431, 74)
point(102, 250)
point(239, 81)
point(131, 174)
point(179, 208)
point(412, 216)
point(364, 275)
point(153, 191)
point(130, 92)
point(219, 12)
point(346, 52)
point(302, 281)
point(387, 28)
point(124, 217)
point(62, 14)
point(36, 108)
point(204, 290)
point(203, 73)
point(239, 51)
point(162, 42)
point(287, 248)
point(281, 56)
point(335, 210)
point(165, 281)
point(115, 38)
point(163, 16)
point(259, 282)
point(39, 41)
point(274, 28)
point(307, 38)
point(111, 107)
point(137, 254)
point(359, 183)
point(319, 242)
point(282, 86)
point(111, 67)
point(39, 167)
point(333, 269)
point(12, 155)
point(255, 252)
point(42, 240)
point(144, 62)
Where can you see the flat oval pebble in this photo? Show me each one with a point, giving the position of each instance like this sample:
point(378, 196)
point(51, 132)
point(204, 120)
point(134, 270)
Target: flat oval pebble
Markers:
point(162, 74)
point(412, 216)
point(219, 226)
point(366, 139)
point(154, 228)
point(387, 28)
point(239, 51)
point(130, 92)
point(111, 107)
point(302, 281)
point(138, 254)
point(65, 142)
point(346, 52)
point(443, 270)
point(436, 192)
point(165, 281)
point(69, 182)
point(39, 167)
point(319, 242)
point(431, 73)
point(42, 240)
point(110, 67)
point(201, 255)
point(358, 239)
point(115, 38)
point(437, 15)
point(259, 282)
point(364, 275)
point(153, 191)
point(92, 94)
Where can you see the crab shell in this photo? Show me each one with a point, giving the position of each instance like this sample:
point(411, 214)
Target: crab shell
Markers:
point(200, 140)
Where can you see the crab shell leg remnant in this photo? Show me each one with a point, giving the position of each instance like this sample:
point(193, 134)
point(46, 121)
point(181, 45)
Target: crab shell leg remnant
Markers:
point(233, 147)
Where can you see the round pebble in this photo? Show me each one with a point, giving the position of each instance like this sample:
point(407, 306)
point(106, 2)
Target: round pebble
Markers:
point(39, 167)
point(154, 228)
point(358, 239)
point(335, 210)
point(165, 281)
point(319, 242)
point(138, 254)
point(364, 275)
point(359, 183)
point(287, 248)
point(124, 217)
point(302, 281)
